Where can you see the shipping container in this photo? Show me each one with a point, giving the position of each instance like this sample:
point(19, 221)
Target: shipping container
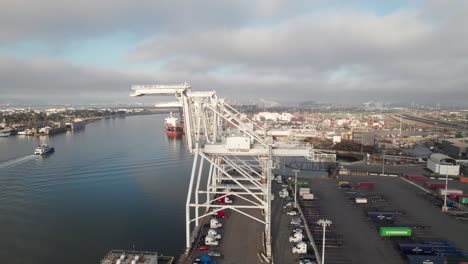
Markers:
point(395, 231)
point(424, 259)
point(304, 191)
point(360, 200)
point(463, 179)
point(457, 197)
point(463, 200)
point(366, 184)
point(443, 191)
point(380, 215)
point(419, 249)
point(415, 177)
point(434, 185)
point(342, 183)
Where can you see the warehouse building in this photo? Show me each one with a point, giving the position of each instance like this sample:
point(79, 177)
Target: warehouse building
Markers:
point(443, 165)
point(456, 147)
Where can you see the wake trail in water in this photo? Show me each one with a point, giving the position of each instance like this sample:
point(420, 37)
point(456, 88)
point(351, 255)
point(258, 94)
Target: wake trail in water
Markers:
point(16, 161)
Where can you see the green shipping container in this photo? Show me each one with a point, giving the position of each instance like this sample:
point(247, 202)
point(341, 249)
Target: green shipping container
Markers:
point(463, 200)
point(395, 231)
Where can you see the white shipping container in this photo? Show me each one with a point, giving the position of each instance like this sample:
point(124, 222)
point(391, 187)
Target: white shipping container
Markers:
point(308, 196)
point(450, 191)
point(360, 200)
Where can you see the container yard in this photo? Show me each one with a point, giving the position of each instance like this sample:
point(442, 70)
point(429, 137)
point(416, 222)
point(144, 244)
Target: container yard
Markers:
point(404, 216)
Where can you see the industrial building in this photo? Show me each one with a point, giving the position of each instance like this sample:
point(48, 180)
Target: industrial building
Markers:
point(443, 165)
point(364, 138)
point(456, 147)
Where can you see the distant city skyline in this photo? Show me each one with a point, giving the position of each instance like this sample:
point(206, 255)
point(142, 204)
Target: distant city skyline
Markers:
point(347, 52)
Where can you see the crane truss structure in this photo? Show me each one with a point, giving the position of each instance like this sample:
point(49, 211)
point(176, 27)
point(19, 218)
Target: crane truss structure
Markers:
point(238, 154)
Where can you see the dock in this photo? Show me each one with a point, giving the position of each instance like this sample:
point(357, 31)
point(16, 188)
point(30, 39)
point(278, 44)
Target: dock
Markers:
point(134, 256)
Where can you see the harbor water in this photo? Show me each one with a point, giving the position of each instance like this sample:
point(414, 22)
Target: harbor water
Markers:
point(117, 184)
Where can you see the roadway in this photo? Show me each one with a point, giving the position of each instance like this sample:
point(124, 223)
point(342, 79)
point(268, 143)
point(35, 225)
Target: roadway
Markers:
point(281, 230)
point(242, 237)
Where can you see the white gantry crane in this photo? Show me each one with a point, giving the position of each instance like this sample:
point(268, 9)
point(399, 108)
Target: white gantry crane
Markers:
point(239, 153)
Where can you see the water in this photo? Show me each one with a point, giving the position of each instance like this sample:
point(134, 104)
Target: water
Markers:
point(119, 183)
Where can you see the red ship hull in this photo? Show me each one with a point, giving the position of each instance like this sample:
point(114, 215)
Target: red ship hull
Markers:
point(173, 132)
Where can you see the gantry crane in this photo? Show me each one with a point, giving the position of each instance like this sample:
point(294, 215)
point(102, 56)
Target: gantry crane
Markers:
point(236, 150)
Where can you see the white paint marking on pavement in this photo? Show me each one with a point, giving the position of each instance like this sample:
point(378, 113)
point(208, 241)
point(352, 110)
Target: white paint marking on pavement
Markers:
point(415, 185)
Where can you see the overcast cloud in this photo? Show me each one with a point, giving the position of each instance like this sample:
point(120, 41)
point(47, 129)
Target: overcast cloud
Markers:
point(267, 49)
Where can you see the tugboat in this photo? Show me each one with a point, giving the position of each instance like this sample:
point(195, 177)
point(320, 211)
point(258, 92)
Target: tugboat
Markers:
point(43, 149)
point(173, 129)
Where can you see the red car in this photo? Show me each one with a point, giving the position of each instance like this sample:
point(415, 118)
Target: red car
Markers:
point(203, 248)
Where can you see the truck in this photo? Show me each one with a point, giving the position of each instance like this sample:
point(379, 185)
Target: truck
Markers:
point(214, 223)
point(214, 234)
point(300, 248)
point(211, 241)
point(296, 237)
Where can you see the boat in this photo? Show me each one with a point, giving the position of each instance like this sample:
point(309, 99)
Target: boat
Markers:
point(4, 134)
point(173, 129)
point(26, 132)
point(43, 149)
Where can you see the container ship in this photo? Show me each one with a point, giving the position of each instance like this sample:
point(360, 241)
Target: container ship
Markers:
point(173, 129)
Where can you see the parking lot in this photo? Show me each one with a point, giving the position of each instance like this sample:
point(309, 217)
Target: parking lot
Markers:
point(281, 230)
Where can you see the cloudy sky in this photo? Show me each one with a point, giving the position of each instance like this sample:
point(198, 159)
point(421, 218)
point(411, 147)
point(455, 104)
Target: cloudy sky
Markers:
point(88, 51)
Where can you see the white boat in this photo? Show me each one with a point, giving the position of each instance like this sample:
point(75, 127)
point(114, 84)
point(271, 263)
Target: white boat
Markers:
point(43, 149)
point(5, 134)
point(26, 132)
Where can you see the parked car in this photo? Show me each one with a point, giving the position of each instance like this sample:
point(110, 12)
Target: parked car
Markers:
point(214, 253)
point(292, 212)
point(298, 230)
point(203, 248)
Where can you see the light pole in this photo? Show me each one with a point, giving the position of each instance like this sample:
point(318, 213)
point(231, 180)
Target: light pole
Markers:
point(444, 207)
point(324, 223)
point(295, 188)
point(383, 162)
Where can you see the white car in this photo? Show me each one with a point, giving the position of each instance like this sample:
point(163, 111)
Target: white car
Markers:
point(297, 230)
point(283, 194)
point(300, 248)
point(296, 222)
point(292, 212)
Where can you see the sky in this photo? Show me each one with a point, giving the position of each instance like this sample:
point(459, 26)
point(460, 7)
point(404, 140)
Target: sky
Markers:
point(288, 51)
